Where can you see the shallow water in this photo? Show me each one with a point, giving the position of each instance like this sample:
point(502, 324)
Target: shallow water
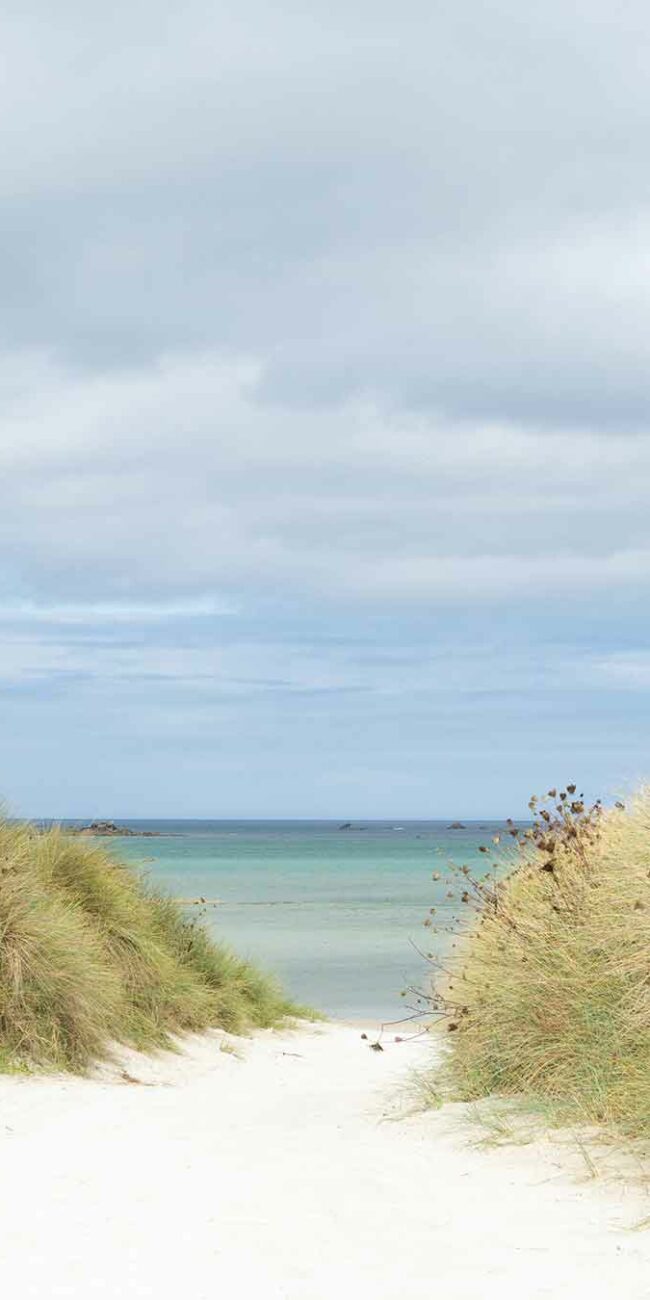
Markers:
point(334, 913)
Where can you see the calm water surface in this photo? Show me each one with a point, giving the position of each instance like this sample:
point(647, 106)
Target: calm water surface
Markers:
point(332, 912)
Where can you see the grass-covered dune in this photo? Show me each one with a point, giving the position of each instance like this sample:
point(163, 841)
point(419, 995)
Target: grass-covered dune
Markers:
point(550, 998)
point(90, 955)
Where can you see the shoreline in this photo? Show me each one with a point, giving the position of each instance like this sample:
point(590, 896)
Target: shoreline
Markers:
point(293, 1164)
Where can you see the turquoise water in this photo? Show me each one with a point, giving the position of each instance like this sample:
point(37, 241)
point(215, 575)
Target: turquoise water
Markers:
point(332, 912)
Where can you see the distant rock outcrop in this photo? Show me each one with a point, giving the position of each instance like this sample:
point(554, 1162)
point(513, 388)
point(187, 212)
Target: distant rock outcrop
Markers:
point(110, 828)
point(457, 826)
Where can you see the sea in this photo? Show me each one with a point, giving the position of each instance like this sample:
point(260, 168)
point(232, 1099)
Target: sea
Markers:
point(335, 910)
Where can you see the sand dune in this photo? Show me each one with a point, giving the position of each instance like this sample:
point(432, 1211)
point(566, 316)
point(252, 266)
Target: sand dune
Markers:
point(291, 1172)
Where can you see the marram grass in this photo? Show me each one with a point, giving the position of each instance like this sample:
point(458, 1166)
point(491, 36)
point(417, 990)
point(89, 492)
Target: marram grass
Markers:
point(90, 955)
point(551, 994)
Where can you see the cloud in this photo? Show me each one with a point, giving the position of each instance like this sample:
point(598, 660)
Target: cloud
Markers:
point(90, 614)
point(627, 670)
point(381, 205)
point(154, 488)
point(323, 392)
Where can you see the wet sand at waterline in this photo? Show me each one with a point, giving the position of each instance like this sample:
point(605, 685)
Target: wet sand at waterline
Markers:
point(292, 1166)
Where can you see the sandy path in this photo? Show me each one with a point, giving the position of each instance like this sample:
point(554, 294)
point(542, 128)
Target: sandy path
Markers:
point(289, 1176)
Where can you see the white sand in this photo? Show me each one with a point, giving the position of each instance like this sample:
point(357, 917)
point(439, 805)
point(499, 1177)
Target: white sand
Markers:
point(281, 1175)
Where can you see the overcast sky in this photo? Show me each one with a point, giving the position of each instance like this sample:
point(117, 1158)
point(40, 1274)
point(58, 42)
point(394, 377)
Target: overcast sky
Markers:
point(324, 454)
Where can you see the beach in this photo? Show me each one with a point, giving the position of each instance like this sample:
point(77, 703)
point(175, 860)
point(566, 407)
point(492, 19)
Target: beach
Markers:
point(293, 1165)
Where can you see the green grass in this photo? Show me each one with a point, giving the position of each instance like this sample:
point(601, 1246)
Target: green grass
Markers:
point(91, 955)
point(552, 991)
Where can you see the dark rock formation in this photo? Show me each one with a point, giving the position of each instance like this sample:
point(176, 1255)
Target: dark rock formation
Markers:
point(110, 828)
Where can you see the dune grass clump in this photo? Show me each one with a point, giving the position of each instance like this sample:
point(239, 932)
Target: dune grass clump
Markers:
point(90, 955)
point(549, 1000)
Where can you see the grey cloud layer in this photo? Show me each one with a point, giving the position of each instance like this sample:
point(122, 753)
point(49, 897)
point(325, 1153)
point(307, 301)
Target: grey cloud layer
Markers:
point(324, 453)
point(444, 207)
point(178, 480)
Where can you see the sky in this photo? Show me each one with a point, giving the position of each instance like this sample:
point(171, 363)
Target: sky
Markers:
point(324, 419)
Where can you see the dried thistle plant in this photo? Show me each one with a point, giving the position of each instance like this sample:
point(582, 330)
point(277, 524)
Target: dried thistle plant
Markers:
point(562, 828)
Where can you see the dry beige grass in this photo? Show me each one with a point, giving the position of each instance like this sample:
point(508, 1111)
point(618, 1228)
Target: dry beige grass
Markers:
point(553, 987)
point(90, 954)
